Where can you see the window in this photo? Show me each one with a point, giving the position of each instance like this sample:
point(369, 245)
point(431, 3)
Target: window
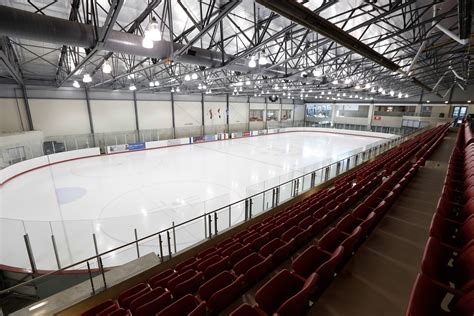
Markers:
point(286, 115)
point(272, 115)
point(256, 115)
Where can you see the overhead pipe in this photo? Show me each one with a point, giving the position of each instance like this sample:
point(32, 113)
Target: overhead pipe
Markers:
point(22, 24)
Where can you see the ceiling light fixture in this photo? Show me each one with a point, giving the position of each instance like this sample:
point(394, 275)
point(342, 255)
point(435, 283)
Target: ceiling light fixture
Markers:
point(87, 78)
point(106, 68)
point(263, 59)
point(76, 84)
point(133, 87)
point(252, 62)
point(153, 31)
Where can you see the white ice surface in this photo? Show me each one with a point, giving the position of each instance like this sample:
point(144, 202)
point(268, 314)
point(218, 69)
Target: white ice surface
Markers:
point(148, 190)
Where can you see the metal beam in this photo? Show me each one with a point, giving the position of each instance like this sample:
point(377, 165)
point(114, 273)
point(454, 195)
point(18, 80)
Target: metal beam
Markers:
point(104, 32)
point(225, 10)
point(9, 59)
point(305, 17)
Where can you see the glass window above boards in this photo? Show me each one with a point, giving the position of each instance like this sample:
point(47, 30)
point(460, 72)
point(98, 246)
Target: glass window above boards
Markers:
point(394, 110)
point(318, 110)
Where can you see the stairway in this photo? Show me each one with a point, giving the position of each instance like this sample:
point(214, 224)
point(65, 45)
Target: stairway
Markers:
point(378, 279)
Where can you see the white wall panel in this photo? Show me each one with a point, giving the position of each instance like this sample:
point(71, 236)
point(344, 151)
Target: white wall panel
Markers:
point(215, 113)
point(113, 115)
point(257, 106)
point(60, 116)
point(187, 113)
point(11, 116)
point(299, 112)
point(238, 113)
point(154, 114)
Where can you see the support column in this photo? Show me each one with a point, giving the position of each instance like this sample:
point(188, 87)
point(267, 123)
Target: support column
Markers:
point(281, 110)
point(172, 115)
point(202, 114)
point(333, 113)
point(27, 107)
point(265, 117)
point(293, 114)
point(137, 125)
point(89, 112)
point(227, 112)
point(371, 115)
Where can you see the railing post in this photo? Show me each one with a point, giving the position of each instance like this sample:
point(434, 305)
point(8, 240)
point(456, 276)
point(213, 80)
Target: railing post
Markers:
point(161, 247)
point(136, 243)
point(246, 209)
point(174, 237)
point(277, 196)
point(230, 216)
point(90, 277)
point(209, 225)
point(53, 240)
point(169, 243)
point(101, 267)
point(250, 208)
point(96, 248)
point(215, 223)
point(30, 253)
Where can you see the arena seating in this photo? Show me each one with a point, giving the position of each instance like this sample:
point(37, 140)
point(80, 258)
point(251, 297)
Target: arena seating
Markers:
point(211, 280)
point(447, 267)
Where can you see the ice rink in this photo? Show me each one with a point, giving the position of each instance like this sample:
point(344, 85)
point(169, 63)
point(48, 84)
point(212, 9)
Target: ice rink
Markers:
point(111, 195)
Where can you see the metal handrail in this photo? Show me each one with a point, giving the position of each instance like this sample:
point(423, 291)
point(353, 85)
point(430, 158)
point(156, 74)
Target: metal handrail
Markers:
point(98, 256)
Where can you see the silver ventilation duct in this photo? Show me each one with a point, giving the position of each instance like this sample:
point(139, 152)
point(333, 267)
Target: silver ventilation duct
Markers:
point(22, 24)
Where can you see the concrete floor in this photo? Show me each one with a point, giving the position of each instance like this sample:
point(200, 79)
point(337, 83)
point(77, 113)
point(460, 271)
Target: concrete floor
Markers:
point(378, 279)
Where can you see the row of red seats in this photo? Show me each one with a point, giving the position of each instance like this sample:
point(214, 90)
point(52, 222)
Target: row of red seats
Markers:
point(289, 293)
point(220, 273)
point(249, 255)
point(445, 285)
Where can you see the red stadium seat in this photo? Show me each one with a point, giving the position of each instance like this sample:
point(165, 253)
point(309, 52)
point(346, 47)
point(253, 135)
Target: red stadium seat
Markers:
point(221, 291)
point(285, 294)
point(126, 297)
point(213, 266)
point(188, 305)
point(150, 303)
point(278, 249)
point(185, 283)
point(253, 268)
point(161, 280)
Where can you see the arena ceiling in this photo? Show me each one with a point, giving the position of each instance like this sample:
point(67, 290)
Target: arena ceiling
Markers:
point(208, 46)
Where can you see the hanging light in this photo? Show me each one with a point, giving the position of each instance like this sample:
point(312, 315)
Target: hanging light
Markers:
point(335, 81)
point(263, 59)
point(357, 87)
point(380, 90)
point(132, 87)
point(177, 89)
point(87, 78)
point(157, 83)
point(248, 82)
point(151, 84)
point(172, 90)
point(392, 93)
point(400, 95)
point(76, 84)
point(406, 95)
point(372, 90)
point(147, 43)
point(347, 81)
point(187, 77)
point(252, 62)
point(106, 68)
point(317, 72)
point(199, 86)
point(153, 31)
point(367, 85)
point(194, 76)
